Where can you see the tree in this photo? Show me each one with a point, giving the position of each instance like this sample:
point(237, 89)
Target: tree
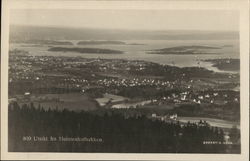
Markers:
point(234, 135)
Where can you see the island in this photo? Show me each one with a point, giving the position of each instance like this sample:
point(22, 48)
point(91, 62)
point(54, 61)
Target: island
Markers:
point(85, 50)
point(183, 50)
point(100, 42)
point(225, 64)
point(105, 42)
point(136, 44)
point(227, 46)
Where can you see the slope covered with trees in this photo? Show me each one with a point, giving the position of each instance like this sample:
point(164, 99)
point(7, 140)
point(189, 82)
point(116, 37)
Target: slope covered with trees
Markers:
point(115, 133)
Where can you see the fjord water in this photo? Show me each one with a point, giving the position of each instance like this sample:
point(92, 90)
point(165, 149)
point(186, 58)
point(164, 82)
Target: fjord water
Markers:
point(137, 50)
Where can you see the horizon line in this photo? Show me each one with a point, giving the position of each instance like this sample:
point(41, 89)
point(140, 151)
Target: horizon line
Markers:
point(120, 29)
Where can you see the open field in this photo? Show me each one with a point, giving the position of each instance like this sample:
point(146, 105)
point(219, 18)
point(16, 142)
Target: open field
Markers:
point(110, 98)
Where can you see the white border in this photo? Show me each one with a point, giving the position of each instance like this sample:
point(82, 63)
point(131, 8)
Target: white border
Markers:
point(242, 6)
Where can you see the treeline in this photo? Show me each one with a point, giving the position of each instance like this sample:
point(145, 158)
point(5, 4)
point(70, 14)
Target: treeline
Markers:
point(229, 111)
point(119, 134)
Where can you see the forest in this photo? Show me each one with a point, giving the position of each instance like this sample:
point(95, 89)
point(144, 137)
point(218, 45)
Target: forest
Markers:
point(119, 134)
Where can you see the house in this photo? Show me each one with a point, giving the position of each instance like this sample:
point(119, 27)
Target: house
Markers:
point(207, 96)
point(173, 117)
point(27, 93)
point(201, 97)
point(183, 97)
point(154, 115)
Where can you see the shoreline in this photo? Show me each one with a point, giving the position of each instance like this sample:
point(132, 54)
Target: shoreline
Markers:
point(95, 56)
point(171, 60)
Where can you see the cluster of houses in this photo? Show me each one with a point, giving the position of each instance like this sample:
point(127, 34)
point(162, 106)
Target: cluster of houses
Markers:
point(187, 96)
point(134, 82)
point(165, 118)
point(174, 118)
point(191, 97)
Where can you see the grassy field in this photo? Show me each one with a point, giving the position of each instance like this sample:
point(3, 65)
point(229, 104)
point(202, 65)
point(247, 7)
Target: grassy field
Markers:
point(110, 97)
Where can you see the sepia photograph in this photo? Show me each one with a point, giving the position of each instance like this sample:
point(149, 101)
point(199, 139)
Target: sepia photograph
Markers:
point(124, 81)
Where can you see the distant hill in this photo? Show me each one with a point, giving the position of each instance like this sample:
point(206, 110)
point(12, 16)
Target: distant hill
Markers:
point(25, 33)
point(41, 42)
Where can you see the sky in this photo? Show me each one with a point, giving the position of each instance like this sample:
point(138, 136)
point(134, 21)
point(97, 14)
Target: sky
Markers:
point(225, 20)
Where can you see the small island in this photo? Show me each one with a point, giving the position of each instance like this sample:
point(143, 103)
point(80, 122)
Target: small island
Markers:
point(227, 46)
point(100, 42)
point(85, 50)
point(184, 50)
point(225, 64)
point(105, 42)
point(136, 44)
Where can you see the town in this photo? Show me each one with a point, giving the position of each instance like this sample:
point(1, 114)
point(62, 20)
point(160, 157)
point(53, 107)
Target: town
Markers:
point(117, 83)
